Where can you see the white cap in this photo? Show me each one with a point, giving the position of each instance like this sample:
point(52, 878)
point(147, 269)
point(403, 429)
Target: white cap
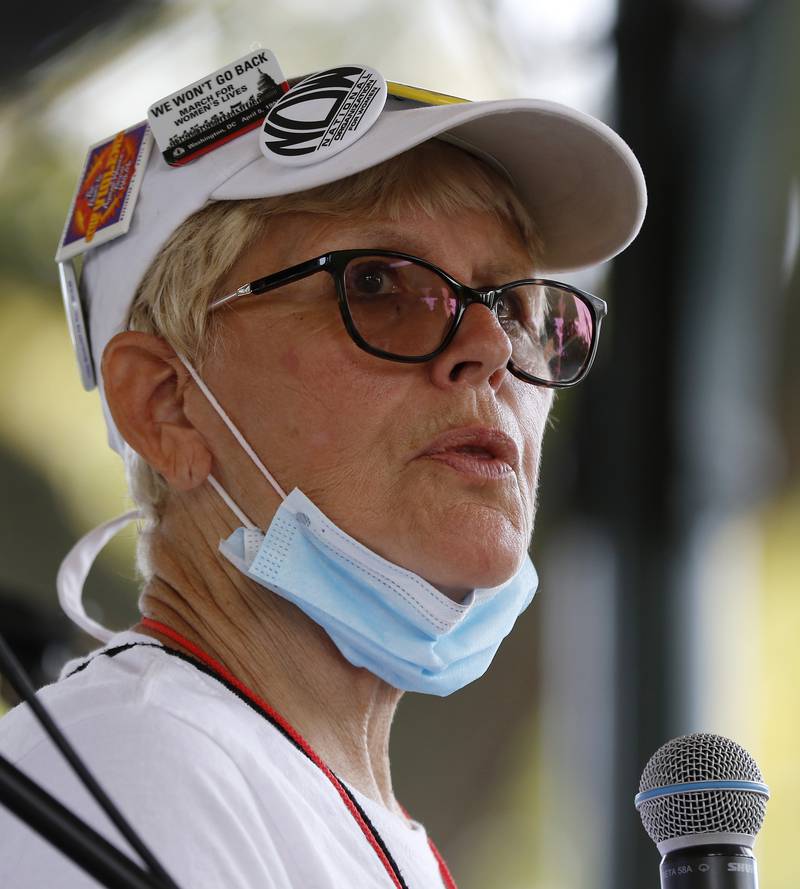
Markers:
point(581, 183)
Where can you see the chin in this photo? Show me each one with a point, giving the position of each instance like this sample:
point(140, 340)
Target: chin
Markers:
point(461, 548)
point(480, 569)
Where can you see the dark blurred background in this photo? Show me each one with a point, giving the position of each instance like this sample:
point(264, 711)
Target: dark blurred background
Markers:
point(668, 531)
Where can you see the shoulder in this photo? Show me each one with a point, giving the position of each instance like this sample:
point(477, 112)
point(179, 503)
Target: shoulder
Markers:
point(173, 748)
point(134, 697)
point(130, 686)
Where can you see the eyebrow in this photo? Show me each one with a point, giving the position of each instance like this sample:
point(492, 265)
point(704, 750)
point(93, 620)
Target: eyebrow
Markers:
point(385, 237)
point(388, 237)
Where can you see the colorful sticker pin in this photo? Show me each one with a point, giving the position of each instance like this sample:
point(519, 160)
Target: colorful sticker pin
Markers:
point(102, 206)
point(217, 108)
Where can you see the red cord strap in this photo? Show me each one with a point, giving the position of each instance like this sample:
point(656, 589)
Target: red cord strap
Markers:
point(303, 745)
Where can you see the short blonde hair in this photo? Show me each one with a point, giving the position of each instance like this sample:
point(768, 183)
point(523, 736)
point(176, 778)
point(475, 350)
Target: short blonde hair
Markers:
point(173, 298)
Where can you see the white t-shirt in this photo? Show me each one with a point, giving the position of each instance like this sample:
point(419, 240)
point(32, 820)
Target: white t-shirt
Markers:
point(217, 792)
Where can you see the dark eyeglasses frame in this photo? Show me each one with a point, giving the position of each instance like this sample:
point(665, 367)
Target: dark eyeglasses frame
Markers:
point(336, 262)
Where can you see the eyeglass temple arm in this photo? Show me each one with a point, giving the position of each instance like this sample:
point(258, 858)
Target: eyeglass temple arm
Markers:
point(278, 279)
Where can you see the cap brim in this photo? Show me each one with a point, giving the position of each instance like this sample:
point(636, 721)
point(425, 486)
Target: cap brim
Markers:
point(579, 180)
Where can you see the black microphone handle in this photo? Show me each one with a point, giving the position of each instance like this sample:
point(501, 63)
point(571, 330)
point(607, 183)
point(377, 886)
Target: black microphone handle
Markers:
point(709, 867)
point(73, 837)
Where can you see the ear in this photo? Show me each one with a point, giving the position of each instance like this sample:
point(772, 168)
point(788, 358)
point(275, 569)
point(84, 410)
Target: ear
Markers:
point(144, 382)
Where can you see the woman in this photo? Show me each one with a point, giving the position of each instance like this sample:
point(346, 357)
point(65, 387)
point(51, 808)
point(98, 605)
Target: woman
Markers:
point(337, 465)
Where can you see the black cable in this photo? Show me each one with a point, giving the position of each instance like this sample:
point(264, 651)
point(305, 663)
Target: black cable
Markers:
point(73, 837)
point(23, 687)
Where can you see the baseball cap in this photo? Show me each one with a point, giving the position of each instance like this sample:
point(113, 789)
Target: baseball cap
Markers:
point(580, 182)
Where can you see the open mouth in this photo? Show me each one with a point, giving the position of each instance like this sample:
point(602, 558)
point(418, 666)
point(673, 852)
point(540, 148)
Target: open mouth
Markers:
point(484, 453)
point(474, 451)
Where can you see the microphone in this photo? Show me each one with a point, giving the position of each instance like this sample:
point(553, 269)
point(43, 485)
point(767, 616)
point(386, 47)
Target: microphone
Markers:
point(702, 801)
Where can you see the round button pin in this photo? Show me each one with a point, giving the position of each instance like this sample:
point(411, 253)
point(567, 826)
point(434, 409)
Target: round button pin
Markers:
point(323, 115)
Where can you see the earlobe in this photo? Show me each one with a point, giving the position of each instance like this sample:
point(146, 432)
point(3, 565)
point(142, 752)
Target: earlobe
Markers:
point(144, 384)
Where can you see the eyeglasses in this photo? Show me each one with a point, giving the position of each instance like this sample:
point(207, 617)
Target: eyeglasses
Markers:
point(402, 308)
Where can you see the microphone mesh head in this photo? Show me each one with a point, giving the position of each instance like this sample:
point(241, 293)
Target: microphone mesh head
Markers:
point(701, 757)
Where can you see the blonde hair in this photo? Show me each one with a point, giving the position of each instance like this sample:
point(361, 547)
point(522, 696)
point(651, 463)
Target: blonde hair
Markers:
point(173, 298)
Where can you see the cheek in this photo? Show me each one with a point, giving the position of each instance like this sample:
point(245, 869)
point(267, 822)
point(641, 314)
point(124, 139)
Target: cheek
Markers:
point(336, 399)
point(278, 375)
point(289, 361)
point(532, 410)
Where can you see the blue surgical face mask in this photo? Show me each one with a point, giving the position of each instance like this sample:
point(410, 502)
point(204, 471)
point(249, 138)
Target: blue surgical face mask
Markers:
point(380, 616)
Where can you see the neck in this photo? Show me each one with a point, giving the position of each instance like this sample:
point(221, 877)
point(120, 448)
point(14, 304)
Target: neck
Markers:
point(344, 712)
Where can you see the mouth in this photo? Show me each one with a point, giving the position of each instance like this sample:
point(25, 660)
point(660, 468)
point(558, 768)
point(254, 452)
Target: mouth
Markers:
point(477, 451)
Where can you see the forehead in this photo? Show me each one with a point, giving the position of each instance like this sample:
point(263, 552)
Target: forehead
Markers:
point(476, 241)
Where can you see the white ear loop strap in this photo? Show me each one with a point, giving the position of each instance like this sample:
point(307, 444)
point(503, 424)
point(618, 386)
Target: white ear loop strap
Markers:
point(75, 568)
point(242, 441)
point(232, 505)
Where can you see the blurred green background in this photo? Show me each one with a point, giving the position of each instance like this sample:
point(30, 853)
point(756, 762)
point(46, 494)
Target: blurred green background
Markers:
point(668, 534)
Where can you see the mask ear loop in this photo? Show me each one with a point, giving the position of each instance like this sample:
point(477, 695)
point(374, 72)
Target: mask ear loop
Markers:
point(76, 565)
point(229, 501)
point(74, 570)
point(232, 505)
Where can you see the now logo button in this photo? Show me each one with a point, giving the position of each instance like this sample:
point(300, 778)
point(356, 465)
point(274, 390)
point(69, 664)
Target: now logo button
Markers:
point(323, 114)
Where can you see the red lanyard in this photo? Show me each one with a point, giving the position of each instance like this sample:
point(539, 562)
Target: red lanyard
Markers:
point(274, 717)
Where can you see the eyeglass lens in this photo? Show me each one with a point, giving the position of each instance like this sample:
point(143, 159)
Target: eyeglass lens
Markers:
point(407, 310)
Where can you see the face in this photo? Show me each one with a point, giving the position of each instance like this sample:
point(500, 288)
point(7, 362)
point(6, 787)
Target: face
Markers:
point(354, 432)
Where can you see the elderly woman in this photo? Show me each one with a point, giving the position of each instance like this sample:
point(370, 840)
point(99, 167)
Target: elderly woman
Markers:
point(332, 381)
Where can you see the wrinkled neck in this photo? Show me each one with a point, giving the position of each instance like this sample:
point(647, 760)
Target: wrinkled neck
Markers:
point(344, 712)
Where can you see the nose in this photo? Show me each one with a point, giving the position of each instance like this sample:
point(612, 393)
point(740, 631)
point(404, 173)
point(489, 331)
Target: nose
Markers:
point(478, 353)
